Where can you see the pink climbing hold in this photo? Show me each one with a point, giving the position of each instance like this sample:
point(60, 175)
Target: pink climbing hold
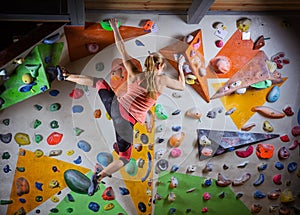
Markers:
point(277, 179)
point(245, 153)
point(206, 196)
point(176, 152)
point(204, 210)
point(54, 138)
point(76, 93)
point(219, 43)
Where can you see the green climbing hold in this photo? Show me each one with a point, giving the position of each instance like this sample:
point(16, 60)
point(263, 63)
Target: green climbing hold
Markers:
point(262, 84)
point(54, 124)
point(37, 123)
point(20, 169)
point(131, 168)
point(54, 210)
point(5, 122)
point(5, 156)
point(69, 210)
point(55, 107)
point(78, 131)
point(39, 198)
point(38, 138)
point(161, 112)
point(106, 26)
point(38, 107)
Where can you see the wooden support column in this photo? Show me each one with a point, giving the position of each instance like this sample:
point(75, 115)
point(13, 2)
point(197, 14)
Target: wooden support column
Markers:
point(76, 10)
point(197, 10)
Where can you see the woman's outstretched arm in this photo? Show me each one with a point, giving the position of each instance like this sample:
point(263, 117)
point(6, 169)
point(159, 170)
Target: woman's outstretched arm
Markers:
point(126, 58)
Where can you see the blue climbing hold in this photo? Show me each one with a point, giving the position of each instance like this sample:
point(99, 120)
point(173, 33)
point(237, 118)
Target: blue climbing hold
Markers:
point(139, 43)
point(39, 186)
point(84, 146)
point(292, 167)
point(274, 94)
point(176, 128)
point(78, 160)
point(123, 191)
point(53, 92)
point(104, 158)
point(259, 195)
point(77, 109)
point(94, 206)
point(279, 165)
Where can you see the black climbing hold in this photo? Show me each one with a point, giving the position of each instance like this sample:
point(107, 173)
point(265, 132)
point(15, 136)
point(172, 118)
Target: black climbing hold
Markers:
point(142, 207)
point(144, 138)
point(6, 138)
point(6, 122)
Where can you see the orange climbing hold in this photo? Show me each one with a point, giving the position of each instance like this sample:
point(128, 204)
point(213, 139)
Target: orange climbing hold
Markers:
point(264, 151)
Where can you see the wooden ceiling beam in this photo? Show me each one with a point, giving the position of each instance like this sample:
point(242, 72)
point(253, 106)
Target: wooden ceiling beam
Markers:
point(198, 10)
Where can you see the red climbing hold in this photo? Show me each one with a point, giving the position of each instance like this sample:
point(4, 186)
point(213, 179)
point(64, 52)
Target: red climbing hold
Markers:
point(54, 138)
point(245, 153)
point(285, 138)
point(76, 93)
point(108, 194)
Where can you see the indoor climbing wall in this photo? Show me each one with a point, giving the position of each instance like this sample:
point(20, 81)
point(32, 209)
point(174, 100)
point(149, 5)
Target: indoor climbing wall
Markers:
point(227, 144)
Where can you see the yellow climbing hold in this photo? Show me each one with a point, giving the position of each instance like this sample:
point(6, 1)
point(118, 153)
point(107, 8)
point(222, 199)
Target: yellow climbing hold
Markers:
point(22, 138)
point(54, 199)
point(108, 116)
point(38, 153)
point(70, 152)
point(287, 196)
point(109, 206)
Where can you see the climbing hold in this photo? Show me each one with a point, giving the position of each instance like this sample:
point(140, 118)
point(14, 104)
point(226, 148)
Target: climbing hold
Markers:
point(171, 197)
point(78, 131)
point(84, 146)
point(5, 155)
point(6, 202)
point(207, 151)
point(94, 206)
point(77, 108)
point(296, 131)
point(240, 181)
point(172, 211)
point(245, 153)
point(77, 181)
point(173, 182)
point(142, 207)
point(243, 24)
point(268, 112)
point(176, 128)
point(54, 199)
point(26, 87)
point(194, 113)
point(262, 84)
point(204, 141)
point(206, 196)
point(37, 123)
point(22, 138)
point(139, 43)
point(54, 124)
point(220, 64)
point(161, 112)
point(104, 158)
point(274, 94)
point(54, 107)
point(285, 138)
point(222, 181)
point(99, 67)
point(38, 153)
point(27, 78)
point(92, 47)
point(225, 167)
point(109, 206)
point(176, 139)
point(279, 165)
point(54, 138)
point(174, 168)
point(55, 152)
point(6, 122)
point(274, 194)
point(256, 208)
point(6, 169)
point(54, 210)
point(260, 180)
point(286, 196)
point(207, 182)
point(70, 152)
point(267, 126)
point(260, 42)
point(243, 165)
point(78, 160)
point(97, 113)
point(219, 43)
point(259, 194)
point(292, 167)
point(283, 153)
point(138, 147)
point(70, 197)
point(33, 69)
point(207, 168)
point(264, 151)
point(294, 145)
point(277, 179)
point(123, 191)
point(38, 107)
point(176, 112)
point(76, 93)
point(52, 39)
point(131, 167)
point(6, 138)
point(262, 166)
point(162, 165)
point(239, 195)
point(230, 111)
point(176, 152)
point(222, 195)
point(144, 138)
point(288, 111)
point(22, 186)
point(53, 92)
point(38, 138)
point(108, 194)
point(191, 168)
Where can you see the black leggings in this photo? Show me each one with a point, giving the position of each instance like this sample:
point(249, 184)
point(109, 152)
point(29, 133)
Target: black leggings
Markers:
point(123, 128)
